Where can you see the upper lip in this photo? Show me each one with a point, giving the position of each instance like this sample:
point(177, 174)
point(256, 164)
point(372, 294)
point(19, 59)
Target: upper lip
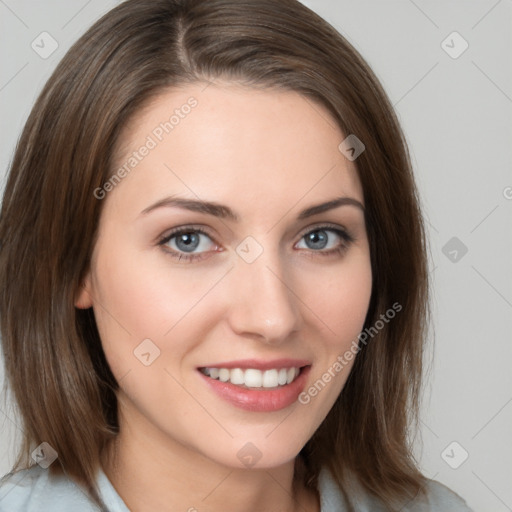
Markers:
point(259, 364)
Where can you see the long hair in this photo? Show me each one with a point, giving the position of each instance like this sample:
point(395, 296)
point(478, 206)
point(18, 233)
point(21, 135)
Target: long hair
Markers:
point(55, 366)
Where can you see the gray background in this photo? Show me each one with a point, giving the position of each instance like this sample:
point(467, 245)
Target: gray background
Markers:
point(455, 110)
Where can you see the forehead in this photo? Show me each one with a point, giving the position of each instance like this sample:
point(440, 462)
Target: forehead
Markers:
point(236, 145)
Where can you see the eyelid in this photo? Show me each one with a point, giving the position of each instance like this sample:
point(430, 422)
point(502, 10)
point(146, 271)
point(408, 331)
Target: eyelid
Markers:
point(347, 234)
point(162, 239)
point(186, 257)
point(206, 231)
point(341, 231)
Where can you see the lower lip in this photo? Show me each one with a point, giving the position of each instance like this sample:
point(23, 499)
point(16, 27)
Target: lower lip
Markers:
point(259, 400)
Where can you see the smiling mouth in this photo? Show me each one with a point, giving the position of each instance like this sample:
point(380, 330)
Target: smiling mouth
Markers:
point(253, 378)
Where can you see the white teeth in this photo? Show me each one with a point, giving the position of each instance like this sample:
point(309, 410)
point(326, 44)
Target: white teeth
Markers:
point(270, 379)
point(224, 374)
point(237, 377)
point(253, 378)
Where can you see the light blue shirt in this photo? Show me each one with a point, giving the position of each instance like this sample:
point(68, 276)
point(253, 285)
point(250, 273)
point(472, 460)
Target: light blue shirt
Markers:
point(31, 490)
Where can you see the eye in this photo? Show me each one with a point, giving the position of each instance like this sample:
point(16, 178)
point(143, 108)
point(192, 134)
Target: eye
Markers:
point(191, 243)
point(326, 240)
point(187, 243)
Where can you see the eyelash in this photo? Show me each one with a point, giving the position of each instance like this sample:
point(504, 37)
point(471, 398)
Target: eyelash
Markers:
point(344, 235)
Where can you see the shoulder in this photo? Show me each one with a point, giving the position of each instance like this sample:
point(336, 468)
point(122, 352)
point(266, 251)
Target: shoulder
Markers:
point(442, 498)
point(439, 498)
point(34, 490)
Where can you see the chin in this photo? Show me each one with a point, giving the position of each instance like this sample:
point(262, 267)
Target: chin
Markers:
point(259, 451)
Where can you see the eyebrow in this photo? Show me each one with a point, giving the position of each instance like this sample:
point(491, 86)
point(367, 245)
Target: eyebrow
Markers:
point(224, 212)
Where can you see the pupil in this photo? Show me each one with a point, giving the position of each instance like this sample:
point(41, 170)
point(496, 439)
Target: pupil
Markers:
point(187, 241)
point(318, 239)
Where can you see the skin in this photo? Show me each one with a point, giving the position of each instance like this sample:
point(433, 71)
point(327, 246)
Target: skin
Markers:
point(267, 155)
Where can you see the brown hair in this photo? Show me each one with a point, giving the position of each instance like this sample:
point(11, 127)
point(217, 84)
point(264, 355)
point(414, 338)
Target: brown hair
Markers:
point(54, 361)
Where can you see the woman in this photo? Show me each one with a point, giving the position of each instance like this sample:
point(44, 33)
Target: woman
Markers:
point(215, 283)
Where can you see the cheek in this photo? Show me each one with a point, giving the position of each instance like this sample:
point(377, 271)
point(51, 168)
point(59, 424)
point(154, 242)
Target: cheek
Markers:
point(139, 299)
point(340, 309)
point(340, 300)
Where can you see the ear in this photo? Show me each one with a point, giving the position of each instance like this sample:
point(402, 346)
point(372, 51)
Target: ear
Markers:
point(83, 297)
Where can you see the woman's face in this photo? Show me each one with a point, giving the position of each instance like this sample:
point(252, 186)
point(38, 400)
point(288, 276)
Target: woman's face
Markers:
point(268, 276)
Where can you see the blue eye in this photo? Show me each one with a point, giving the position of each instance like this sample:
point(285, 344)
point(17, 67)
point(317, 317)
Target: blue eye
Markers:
point(190, 243)
point(326, 240)
point(187, 242)
point(183, 243)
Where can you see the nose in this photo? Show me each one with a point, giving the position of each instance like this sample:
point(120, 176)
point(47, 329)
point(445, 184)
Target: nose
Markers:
point(263, 305)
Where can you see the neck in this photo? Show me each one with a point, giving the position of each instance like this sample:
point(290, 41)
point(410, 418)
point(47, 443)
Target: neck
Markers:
point(150, 474)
